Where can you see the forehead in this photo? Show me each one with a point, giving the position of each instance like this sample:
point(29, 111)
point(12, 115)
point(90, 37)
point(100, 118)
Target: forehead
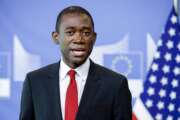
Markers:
point(76, 20)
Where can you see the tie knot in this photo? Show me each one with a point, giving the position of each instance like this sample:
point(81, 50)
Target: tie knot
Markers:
point(72, 73)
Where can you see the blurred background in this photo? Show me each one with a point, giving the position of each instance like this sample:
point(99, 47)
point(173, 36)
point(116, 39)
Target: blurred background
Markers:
point(127, 34)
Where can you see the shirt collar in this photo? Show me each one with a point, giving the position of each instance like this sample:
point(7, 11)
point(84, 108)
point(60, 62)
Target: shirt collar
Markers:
point(82, 70)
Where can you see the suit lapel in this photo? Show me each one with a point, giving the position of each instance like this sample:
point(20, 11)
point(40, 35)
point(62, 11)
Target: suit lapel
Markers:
point(54, 86)
point(89, 92)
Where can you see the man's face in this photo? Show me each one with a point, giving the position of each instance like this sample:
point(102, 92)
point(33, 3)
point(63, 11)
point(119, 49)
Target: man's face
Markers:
point(76, 38)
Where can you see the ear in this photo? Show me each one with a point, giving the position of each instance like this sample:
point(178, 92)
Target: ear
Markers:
point(94, 37)
point(55, 36)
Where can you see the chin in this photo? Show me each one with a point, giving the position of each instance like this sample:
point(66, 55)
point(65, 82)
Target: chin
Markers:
point(78, 61)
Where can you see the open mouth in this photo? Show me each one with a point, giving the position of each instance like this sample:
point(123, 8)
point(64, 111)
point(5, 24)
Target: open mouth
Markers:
point(78, 52)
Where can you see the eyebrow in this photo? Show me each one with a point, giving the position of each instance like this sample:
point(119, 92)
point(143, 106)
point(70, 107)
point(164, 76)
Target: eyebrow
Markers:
point(88, 28)
point(70, 27)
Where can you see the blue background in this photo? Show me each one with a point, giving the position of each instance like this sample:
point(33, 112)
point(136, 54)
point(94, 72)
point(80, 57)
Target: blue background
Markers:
point(33, 21)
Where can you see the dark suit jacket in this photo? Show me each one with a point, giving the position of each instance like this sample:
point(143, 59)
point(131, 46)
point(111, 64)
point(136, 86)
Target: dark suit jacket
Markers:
point(106, 95)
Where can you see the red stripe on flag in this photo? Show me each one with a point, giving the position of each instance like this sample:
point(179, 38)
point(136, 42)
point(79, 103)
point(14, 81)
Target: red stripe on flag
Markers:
point(134, 117)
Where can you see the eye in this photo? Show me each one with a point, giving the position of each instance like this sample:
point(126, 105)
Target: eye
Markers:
point(70, 33)
point(86, 33)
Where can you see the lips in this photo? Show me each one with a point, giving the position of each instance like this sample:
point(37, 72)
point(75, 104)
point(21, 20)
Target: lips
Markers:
point(78, 52)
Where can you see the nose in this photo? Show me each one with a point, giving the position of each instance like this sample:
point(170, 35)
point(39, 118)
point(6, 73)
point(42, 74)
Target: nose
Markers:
point(78, 38)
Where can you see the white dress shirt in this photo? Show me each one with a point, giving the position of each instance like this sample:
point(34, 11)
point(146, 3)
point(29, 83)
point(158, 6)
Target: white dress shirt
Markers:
point(64, 80)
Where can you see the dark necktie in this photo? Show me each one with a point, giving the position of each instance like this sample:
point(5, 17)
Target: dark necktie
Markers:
point(71, 103)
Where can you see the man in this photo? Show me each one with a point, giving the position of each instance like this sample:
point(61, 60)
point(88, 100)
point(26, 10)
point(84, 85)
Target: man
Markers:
point(75, 88)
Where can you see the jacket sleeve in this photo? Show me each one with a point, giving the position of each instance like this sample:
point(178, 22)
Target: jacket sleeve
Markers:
point(122, 109)
point(26, 108)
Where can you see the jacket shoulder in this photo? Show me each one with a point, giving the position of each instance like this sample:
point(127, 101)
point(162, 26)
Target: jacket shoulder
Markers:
point(44, 71)
point(106, 72)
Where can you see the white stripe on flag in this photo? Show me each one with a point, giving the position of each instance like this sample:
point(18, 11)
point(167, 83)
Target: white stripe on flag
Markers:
point(140, 111)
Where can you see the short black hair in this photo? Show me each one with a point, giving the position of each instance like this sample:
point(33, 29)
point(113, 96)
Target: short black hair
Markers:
point(71, 10)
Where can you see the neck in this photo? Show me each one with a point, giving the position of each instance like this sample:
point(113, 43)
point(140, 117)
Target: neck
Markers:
point(74, 65)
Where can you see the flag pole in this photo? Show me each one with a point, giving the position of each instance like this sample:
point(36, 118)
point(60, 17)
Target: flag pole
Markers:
point(176, 5)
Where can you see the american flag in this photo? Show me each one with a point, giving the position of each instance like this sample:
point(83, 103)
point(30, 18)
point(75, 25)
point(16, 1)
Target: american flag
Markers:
point(160, 99)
